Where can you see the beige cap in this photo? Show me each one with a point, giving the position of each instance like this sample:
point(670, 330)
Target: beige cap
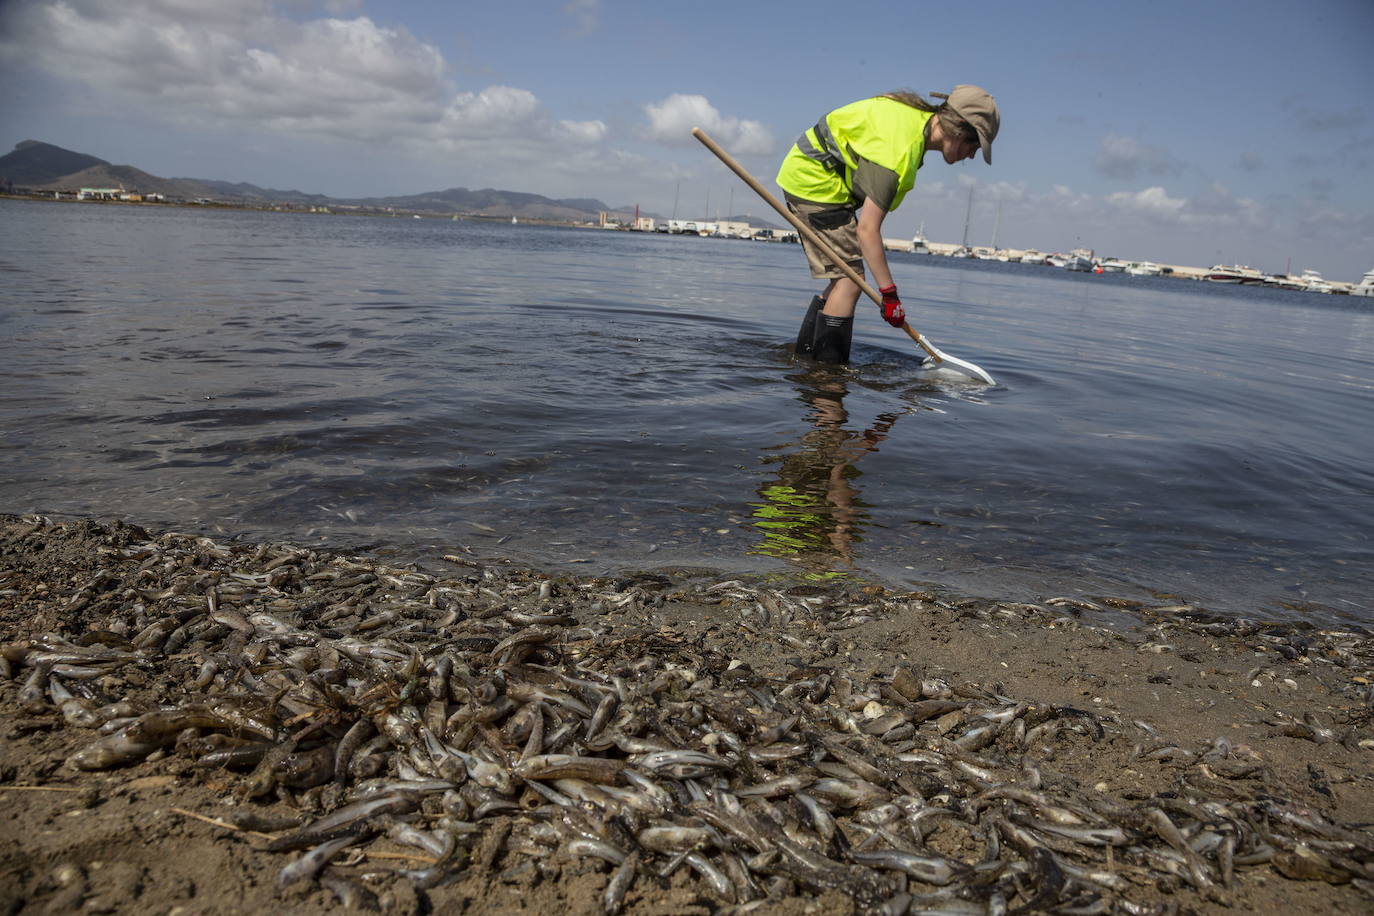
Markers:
point(976, 107)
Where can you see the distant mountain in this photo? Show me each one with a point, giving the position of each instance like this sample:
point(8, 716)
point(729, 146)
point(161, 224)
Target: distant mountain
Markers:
point(488, 202)
point(42, 166)
point(33, 163)
point(251, 193)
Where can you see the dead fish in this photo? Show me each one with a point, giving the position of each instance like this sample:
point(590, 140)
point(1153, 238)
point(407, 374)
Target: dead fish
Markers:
point(619, 885)
point(560, 766)
point(679, 764)
point(855, 793)
point(313, 862)
point(1302, 863)
point(926, 869)
point(597, 849)
point(783, 785)
point(141, 737)
point(343, 822)
point(676, 838)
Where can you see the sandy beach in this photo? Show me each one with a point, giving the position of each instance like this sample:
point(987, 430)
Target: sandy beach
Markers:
point(789, 745)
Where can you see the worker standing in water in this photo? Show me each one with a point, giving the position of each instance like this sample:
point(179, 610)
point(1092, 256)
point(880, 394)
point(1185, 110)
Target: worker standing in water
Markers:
point(843, 176)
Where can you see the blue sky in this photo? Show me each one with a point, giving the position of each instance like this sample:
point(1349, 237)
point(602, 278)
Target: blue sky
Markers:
point(1187, 133)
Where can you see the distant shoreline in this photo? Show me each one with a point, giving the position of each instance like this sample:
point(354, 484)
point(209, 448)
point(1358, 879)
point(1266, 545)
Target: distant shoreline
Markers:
point(1173, 271)
point(314, 210)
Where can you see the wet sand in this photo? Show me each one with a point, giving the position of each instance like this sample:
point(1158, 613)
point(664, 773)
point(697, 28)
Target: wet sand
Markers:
point(1168, 709)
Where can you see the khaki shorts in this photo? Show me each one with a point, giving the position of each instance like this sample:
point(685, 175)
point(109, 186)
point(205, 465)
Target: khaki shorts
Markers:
point(838, 225)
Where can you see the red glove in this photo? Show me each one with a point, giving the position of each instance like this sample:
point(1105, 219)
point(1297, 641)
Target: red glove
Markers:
point(892, 307)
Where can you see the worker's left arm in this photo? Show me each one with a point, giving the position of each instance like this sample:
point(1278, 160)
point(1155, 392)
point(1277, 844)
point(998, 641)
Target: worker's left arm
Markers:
point(871, 243)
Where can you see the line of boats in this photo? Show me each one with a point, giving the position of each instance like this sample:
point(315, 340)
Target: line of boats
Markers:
point(1083, 259)
point(1080, 259)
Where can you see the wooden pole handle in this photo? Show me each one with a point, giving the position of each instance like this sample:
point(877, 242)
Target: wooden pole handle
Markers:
point(806, 231)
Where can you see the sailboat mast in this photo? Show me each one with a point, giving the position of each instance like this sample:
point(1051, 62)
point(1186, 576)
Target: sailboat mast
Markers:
point(967, 213)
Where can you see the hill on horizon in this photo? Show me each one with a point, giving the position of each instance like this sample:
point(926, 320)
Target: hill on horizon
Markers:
point(41, 166)
point(35, 163)
point(47, 167)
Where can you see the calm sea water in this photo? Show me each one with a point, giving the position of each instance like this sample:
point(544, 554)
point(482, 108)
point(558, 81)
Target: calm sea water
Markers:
point(606, 401)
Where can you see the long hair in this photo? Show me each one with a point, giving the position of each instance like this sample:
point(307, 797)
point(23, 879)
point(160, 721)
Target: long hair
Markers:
point(951, 122)
point(907, 97)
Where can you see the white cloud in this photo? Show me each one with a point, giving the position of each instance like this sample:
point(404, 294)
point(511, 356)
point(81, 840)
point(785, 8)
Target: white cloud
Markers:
point(1127, 158)
point(671, 122)
point(242, 65)
point(585, 14)
point(583, 132)
point(1154, 203)
point(1214, 207)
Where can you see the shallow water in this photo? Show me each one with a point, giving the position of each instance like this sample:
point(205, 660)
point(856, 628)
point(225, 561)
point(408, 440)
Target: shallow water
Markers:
point(611, 401)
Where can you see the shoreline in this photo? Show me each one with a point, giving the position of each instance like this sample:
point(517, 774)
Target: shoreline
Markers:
point(1175, 271)
point(982, 721)
point(302, 210)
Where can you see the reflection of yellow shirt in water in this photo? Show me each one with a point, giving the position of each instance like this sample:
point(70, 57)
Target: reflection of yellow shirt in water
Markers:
point(811, 513)
point(802, 516)
point(788, 528)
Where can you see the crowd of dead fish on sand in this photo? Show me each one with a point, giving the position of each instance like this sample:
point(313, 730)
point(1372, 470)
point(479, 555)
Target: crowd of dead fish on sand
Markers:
point(493, 712)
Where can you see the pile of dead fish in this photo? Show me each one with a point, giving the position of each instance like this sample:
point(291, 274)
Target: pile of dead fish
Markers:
point(494, 713)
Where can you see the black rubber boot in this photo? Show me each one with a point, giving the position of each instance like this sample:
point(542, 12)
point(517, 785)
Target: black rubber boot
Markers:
point(833, 336)
point(806, 337)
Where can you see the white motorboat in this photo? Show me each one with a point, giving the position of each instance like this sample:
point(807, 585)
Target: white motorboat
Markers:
point(1233, 273)
point(1080, 259)
point(1114, 265)
point(1033, 257)
point(1285, 281)
point(1314, 282)
point(919, 243)
point(1144, 269)
point(1366, 285)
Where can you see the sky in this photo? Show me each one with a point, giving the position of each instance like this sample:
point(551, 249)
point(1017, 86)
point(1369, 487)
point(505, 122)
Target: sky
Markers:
point(1193, 133)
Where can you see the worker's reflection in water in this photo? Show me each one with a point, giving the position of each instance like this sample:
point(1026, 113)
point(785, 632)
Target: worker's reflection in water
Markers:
point(811, 513)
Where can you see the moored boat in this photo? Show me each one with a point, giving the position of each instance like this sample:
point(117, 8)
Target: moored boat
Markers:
point(1233, 273)
point(1080, 259)
point(1144, 269)
point(1113, 265)
point(1314, 283)
point(1366, 285)
point(1285, 281)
